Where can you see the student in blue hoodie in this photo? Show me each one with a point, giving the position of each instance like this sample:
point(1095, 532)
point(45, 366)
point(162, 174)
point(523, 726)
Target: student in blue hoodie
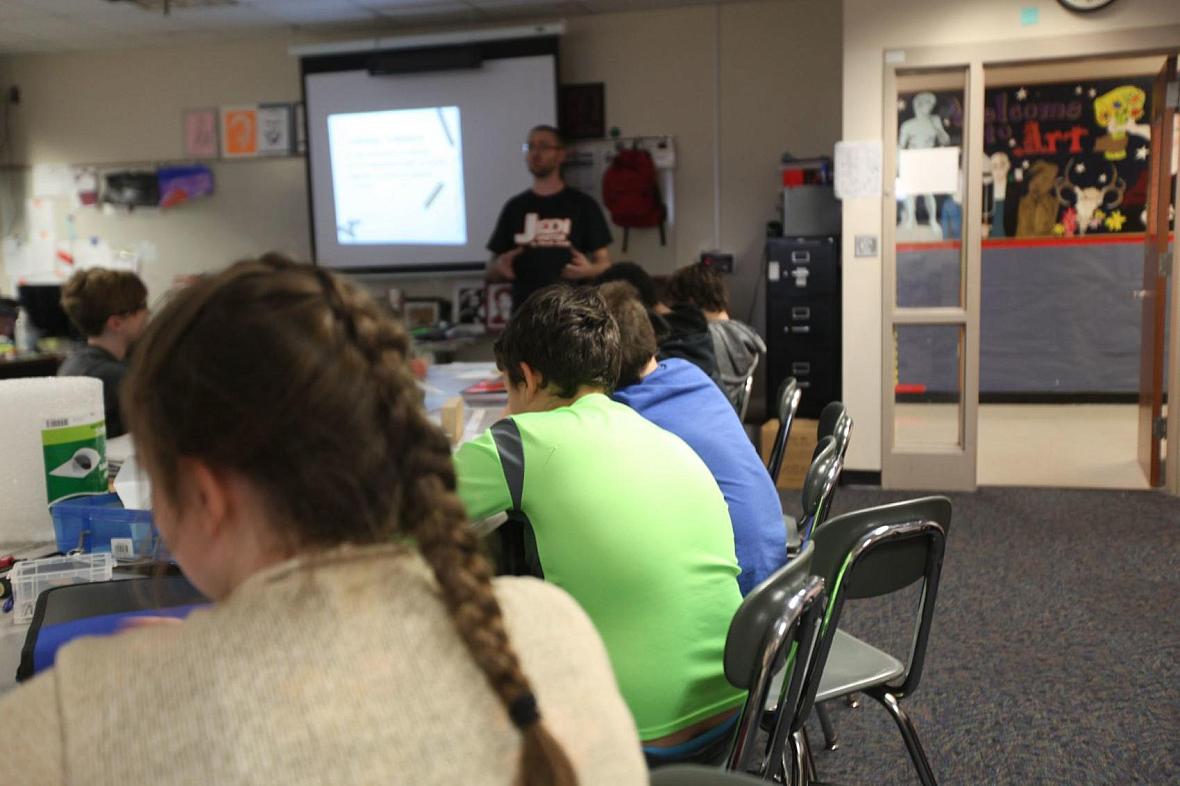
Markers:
point(677, 396)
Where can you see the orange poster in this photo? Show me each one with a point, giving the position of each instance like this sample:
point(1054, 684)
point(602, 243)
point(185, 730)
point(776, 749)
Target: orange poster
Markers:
point(239, 131)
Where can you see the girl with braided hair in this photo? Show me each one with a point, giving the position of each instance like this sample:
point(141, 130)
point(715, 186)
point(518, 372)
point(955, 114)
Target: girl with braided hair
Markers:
point(356, 634)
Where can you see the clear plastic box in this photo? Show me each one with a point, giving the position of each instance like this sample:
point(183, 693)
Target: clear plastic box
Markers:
point(32, 577)
point(99, 522)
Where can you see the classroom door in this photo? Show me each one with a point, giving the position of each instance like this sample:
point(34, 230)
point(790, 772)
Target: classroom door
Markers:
point(1155, 272)
point(930, 307)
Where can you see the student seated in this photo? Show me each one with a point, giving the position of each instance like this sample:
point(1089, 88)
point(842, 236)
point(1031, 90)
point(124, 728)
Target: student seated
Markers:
point(677, 396)
point(109, 308)
point(625, 516)
point(681, 328)
point(735, 344)
point(356, 634)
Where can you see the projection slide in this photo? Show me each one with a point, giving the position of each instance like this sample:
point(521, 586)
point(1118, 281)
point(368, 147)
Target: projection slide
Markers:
point(397, 177)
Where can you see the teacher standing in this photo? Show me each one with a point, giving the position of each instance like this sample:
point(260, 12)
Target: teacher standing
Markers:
point(550, 232)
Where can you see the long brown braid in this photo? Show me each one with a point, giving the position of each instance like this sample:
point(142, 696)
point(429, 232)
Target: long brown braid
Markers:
point(358, 371)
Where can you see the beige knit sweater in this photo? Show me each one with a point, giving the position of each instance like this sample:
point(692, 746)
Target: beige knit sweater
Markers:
point(350, 672)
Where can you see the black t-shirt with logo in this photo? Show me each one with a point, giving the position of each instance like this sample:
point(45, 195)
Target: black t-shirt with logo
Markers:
point(547, 227)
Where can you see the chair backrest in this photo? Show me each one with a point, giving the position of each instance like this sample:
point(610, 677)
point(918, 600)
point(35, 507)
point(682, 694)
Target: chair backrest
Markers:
point(819, 487)
point(743, 401)
point(698, 775)
point(834, 421)
point(786, 404)
point(775, 629)
point(878, 551)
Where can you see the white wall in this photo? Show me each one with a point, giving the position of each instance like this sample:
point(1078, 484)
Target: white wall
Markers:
point(779, 90)
point(871, 27)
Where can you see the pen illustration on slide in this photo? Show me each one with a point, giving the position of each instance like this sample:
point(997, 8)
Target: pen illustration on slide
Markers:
point(397, 176)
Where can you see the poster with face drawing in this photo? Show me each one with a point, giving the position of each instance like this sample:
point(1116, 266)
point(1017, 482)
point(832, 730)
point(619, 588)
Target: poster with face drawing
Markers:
point(499, 303)
point(470, 307)
point(1064, 159)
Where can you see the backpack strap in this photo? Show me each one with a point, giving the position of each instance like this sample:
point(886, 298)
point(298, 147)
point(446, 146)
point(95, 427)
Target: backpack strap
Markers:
point(515, 543)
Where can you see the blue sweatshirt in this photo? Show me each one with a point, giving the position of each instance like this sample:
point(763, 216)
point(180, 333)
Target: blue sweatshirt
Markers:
point(679, 398)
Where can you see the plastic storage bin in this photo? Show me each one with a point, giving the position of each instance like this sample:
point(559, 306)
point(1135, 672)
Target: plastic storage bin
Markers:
point(32, 577)
point(99, 523)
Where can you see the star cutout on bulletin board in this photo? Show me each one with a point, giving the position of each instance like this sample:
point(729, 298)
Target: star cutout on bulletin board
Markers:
point(1011, 143)
point(1077, 91)
point(1021, 94)
point(1091, 92)
point(1026, 164)
point(1102, 178)
point(1080, 169)
point(901, 104)
point(1115, 221)
point(1141, 154)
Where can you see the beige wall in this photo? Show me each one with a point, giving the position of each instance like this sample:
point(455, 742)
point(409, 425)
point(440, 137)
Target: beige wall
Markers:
point(779, 81)
point(871, 27)
point(124, 107)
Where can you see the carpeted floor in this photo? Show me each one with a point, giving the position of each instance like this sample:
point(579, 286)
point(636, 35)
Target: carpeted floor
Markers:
point(1055, 653)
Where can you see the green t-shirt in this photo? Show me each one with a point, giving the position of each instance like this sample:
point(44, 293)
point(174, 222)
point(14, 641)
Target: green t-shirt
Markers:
point(630, 522)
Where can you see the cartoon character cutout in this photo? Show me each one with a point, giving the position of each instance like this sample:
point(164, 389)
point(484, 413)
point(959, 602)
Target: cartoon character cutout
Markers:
point(1117, 112)
point(1037, 210)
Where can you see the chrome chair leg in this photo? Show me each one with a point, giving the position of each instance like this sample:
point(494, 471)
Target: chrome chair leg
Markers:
point(852, 701)
point(825, 723)
point(909, 734)
point(795, 771)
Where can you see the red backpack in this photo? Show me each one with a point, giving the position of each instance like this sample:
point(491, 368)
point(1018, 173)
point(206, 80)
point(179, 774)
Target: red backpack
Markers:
point(631, 193)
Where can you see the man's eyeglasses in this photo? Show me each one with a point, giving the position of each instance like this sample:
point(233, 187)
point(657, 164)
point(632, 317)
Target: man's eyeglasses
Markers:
point(542, 148)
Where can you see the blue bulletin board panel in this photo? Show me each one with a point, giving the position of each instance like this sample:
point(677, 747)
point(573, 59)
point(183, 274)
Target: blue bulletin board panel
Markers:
point(1058, 318)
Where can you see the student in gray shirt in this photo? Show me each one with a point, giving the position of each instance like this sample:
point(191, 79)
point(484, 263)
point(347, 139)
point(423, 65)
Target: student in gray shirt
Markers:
point(735, 343)
point(110, 308)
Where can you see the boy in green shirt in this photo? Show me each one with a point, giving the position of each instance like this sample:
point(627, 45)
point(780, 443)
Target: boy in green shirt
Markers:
point(626, 517)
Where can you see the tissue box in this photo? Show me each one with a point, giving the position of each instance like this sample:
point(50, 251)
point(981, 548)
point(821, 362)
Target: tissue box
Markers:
point(32, 577)
point(100, 524)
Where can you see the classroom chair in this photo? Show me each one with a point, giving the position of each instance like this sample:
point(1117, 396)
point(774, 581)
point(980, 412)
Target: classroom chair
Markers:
point(872, 553)
point(786, 404)
point(772, 635)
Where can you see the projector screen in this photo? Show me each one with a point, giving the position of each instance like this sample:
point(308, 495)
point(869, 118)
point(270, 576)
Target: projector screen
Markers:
point(408, 171)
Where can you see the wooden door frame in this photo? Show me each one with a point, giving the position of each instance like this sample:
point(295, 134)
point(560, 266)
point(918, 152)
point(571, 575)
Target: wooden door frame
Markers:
point(1133, 42)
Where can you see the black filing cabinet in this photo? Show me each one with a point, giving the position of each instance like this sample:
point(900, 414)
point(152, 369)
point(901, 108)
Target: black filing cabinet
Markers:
point(803, 319)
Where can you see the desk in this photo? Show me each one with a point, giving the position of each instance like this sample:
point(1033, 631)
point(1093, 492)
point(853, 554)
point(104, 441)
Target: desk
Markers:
point(35, 365)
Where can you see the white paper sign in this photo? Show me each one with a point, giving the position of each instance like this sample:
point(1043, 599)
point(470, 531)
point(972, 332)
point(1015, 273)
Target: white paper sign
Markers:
point(53, 180)
point(858, 169)
point(933, 170)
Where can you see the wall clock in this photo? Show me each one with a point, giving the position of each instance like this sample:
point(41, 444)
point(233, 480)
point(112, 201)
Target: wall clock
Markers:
point(1085, 5)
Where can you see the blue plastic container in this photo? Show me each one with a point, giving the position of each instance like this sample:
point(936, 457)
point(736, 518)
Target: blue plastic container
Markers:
point(91, 523)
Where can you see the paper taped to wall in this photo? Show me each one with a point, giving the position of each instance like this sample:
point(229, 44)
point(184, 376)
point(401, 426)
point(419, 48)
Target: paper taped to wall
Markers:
point(858, 169)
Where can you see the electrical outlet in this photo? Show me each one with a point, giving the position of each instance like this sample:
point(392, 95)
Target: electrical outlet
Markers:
point(720, 261)
point(866, 246)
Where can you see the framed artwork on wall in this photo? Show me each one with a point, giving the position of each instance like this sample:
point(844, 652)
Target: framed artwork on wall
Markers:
point(239, 131)
point(200, 133)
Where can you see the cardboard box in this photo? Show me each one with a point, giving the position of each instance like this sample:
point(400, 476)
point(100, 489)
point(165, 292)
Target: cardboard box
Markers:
point(800, 446)
point(451, 419)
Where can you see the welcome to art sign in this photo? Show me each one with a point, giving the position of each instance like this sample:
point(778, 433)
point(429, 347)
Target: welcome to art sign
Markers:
point(1064, 159)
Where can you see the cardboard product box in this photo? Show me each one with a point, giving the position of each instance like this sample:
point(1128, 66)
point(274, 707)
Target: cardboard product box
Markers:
point(451, 419)
point(800, 446)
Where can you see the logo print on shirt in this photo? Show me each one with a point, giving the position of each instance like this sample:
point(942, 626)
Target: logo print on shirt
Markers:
point(544, 231)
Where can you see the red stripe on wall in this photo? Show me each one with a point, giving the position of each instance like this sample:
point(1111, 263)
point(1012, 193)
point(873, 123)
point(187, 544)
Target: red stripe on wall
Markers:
point(1131, 238)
